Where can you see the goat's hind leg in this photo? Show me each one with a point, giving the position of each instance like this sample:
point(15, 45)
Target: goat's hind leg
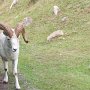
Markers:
point(5, 62)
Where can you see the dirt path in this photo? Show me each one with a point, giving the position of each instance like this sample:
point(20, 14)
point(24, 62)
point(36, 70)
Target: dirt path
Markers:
point(11, 86)
point(3, 86)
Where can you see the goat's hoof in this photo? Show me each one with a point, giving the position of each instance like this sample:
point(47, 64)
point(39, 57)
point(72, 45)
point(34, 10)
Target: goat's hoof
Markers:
point(18, 88)
point(5, 82)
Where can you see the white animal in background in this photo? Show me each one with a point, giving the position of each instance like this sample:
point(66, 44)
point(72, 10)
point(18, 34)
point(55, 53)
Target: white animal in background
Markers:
point(27, 21)
point(9, 48)
point(13, 3)
point(64, 19)
point(56, 10)
point(55, 34)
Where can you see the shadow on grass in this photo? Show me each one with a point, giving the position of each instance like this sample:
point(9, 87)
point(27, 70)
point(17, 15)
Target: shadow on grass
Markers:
point(32, 2)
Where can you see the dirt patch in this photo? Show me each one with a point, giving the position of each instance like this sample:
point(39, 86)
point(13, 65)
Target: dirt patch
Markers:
point(3, 86)
point(25, 85)
point(11, 86)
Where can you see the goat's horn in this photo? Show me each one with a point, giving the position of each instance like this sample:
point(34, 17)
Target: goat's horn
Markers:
point(23, 34)
point(20, 29)
point(7, 30)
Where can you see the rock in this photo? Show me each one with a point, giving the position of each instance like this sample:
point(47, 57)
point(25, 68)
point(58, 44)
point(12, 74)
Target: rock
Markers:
point(55, 34)
point(64, 19)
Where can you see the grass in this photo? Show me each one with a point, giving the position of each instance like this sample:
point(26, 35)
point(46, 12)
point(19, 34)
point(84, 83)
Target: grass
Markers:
point(62, 64)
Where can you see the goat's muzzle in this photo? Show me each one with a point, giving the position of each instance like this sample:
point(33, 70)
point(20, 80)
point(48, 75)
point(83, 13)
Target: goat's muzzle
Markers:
point(14, 50)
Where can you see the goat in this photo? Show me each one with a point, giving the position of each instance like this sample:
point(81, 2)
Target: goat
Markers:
point(56, 10)
point(9, 48)
point(13, 3)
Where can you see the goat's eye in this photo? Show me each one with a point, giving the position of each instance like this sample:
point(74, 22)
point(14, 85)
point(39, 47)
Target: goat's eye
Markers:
point(8, 39)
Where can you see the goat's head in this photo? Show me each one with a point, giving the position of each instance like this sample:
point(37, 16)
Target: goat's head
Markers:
point(13, 34)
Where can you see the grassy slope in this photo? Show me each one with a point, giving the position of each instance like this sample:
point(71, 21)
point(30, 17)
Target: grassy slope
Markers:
point(60, 64)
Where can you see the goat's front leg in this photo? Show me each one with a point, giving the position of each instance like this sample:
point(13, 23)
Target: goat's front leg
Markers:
point(5, 80)
point(15, 63)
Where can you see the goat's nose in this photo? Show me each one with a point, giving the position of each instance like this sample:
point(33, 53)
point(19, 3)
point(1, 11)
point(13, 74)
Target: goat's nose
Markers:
point(14, 50)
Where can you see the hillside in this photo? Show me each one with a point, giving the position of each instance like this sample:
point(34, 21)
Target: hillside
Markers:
point(62, 64)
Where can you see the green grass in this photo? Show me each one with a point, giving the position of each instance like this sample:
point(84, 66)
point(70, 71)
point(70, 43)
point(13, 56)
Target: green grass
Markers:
point(60, 64)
